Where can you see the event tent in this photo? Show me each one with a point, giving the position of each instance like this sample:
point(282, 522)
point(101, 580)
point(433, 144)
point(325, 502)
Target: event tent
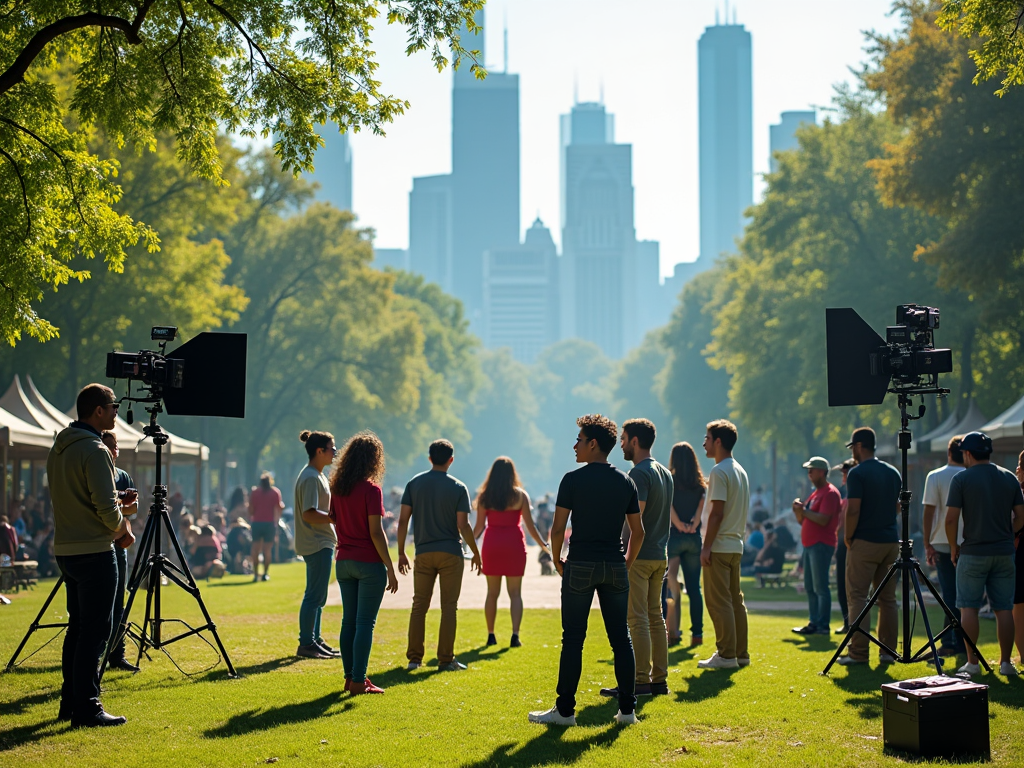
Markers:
point(1007, 429)
point(972, 420)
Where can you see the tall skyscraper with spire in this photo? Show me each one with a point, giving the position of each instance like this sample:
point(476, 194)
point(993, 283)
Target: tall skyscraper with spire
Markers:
point(726, 137)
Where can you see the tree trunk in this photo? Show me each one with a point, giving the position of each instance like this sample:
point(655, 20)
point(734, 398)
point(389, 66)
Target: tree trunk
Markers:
point(966, 368)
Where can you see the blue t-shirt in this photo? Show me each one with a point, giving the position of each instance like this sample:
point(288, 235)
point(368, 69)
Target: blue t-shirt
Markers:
point(877, 485)
point(986, 494)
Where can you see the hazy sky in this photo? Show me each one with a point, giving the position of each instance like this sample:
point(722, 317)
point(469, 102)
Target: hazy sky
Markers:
point(643, 53)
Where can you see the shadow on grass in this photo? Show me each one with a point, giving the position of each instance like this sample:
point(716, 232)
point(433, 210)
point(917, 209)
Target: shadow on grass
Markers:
point(32, 669)
point(865, 684)
point(12, 707)
point(221, 673)
point(549, 747)
point(708, 684)
point(13, 738)
point(813, 643)
point(255, 720)
point(401, 676)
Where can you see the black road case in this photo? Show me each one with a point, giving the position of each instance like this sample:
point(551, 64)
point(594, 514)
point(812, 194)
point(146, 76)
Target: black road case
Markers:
point(936, 717)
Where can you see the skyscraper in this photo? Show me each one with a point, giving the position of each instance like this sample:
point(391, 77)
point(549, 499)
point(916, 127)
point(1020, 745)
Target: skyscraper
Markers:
point(485, 174)
point(726, 138)
point(430, 229)
point(521, 295)
point(333, 168)
point(598, 238)
point(782, 136)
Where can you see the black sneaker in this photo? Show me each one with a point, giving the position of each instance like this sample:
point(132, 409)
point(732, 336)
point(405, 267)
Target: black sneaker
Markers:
point(640, 689)
point(842, 630)
point(514, 642)
point(491, 639)
point(659, 689)
point(611, 693)
point(326, 648)
point(810, 629)
point(123, 664)
point(99, 720)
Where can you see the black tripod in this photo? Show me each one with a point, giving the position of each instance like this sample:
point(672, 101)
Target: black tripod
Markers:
point(37, 625)
point(151, 564)
point(909, 569)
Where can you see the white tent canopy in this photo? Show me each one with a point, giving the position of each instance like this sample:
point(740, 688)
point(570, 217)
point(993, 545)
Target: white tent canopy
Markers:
point(1008, 427)
point(972, 420)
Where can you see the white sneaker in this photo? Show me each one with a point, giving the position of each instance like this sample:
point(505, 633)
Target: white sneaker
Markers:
point(1007, 669)
point(413, 665)
point(717, 662)
point(625, 719)
point(553, 717)
point(885, 658)
point(970, 669)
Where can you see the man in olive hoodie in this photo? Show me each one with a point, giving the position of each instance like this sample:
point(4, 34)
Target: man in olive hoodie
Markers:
point(87, 521)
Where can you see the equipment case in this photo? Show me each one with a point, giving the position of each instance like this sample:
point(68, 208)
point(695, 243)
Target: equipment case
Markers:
point(936, 717)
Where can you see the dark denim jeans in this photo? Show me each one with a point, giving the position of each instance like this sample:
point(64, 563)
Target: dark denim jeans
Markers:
point(91, 581)
point(844, 604)
point(817, 560)
point(318, 579)
point(362, 588)
point(117, 643)
point(580, 580)
point(688, 552)
point(947, 586)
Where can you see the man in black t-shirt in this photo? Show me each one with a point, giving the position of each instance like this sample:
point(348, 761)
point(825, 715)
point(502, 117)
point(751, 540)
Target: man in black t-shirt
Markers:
point(601, 499)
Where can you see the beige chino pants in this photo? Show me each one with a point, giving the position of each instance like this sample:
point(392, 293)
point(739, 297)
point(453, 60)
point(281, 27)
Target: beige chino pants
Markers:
point(646, 622)
point(724, 601)
point(428, 568)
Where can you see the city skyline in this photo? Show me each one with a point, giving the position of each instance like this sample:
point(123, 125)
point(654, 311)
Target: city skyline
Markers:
point(554, 76)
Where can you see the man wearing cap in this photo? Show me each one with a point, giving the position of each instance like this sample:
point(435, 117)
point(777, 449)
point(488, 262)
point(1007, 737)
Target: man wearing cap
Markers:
point(819, 519)
point(990, 499)
point(936, 547)
point(872, 541)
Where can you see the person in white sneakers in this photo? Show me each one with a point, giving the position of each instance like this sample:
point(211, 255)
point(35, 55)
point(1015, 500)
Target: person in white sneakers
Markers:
point(729, 497)
point(990, 499)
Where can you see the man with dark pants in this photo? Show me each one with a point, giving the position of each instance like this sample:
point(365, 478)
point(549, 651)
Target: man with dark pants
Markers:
point(818, 518)
point(439, 507)
point(124, 483)
point(844, 605)
point(315, 541)
point(872, 542)
point(87, 521)
point(601, 499)
point(936, 548)
point(990, 499)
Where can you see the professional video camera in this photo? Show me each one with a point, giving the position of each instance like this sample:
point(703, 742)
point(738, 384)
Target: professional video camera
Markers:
point(862, 365)
point(203, 377)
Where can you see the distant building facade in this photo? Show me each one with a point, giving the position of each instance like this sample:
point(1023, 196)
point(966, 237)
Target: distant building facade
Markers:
point(521, 295)
point(726, 138)
point(598, 236)
point(333, 168)
point(430, 229)
point(782, 136)
point(398, 258)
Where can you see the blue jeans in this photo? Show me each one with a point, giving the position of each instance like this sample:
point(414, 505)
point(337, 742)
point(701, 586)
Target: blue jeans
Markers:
point(947, 586)
point(318, 579)
point(362, 589)
point(91, 581)
point(687, 549)
point(817, 559)
point(579, 582)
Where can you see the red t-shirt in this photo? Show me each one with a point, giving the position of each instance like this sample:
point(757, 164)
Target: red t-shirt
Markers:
point(263, 505)
point(351, 516)
point(824, 501)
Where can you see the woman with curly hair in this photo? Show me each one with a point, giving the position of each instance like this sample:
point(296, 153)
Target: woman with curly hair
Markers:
point(363, 565)
point(502, 507)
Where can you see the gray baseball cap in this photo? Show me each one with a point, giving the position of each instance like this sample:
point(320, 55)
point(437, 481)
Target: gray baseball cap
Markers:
point(817, 462)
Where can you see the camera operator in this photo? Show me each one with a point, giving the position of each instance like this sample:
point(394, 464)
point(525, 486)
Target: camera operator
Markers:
point(87, 521)
point(936, 547)
point(124, 483)
point(990, 499)
point(872, 541)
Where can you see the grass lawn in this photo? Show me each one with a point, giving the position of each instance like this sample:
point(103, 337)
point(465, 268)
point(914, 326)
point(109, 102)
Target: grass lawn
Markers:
point(778, 710)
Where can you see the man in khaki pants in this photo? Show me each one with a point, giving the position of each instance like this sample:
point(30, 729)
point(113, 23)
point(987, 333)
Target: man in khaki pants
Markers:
point(872, 541)
point(439, 506)
point(729, 498)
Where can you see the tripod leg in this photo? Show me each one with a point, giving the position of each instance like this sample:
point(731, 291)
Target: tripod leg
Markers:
point(955, 622)
point(924, 615)
point(35, 624)
point(855, 626)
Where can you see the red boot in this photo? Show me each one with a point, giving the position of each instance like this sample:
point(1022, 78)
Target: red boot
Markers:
point(365, 687)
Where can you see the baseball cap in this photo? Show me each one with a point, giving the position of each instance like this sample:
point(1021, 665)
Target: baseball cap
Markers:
point(976, 442)
point(865, 436)
point(847, 465)
point(817, 462)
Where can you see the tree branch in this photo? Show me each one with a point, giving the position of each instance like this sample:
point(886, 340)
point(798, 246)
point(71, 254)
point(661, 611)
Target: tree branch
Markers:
point(24, 192)
point(16, 72)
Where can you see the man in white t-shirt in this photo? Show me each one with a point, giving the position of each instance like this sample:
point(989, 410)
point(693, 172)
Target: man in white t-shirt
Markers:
point(728, 497)
point(936, 546)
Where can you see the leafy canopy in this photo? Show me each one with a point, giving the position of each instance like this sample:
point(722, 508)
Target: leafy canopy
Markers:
point(999, 27)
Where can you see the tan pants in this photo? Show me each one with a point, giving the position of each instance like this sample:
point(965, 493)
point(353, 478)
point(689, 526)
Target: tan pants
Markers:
point(646, 622)
point(724, 600)
point(866, 565)
point(427, 568)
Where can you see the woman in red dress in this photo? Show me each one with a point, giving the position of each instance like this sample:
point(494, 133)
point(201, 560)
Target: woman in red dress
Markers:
point(502, 506)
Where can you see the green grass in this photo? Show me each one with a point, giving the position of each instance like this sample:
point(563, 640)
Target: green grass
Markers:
point(779, 710)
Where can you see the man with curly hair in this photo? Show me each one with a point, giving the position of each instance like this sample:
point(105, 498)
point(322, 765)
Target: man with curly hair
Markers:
point(600, 498)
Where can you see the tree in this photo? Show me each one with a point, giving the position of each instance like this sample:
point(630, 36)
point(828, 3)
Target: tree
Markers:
point(634, 387)
point(145, 68)
point(998, 25)
point(959, 156)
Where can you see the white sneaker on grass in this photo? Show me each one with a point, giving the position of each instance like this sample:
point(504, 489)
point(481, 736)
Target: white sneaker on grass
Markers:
point(970, 669)
point(717, 662)
point(553, 717)
point(1007, 669)
point(625, 719)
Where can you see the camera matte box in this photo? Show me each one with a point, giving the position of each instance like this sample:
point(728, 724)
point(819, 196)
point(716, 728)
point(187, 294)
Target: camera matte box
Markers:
point(944, 717)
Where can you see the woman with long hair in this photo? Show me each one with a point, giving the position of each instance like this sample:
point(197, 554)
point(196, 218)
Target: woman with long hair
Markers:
point(265, 507)
point(684, 541)
point(502, 507)
point(364, 567)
